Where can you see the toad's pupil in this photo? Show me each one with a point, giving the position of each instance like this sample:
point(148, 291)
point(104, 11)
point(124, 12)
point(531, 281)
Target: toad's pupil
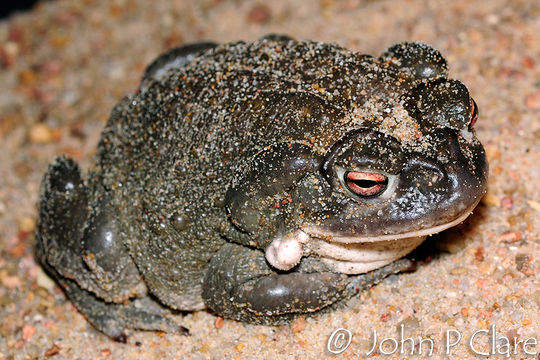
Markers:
point(365, 183)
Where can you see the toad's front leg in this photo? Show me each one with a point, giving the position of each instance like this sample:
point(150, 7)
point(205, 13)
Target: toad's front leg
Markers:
point(241, 285)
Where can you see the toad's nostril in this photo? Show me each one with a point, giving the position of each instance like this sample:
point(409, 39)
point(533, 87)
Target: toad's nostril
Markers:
point(365, 183)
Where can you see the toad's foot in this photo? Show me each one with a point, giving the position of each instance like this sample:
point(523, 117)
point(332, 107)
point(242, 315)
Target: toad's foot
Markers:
point(115, 319)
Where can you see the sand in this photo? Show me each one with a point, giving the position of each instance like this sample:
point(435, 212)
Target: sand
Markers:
point(64, 65)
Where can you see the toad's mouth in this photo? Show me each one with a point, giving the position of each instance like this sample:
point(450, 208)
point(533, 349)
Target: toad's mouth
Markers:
point(357, 258)
point(359, 254)
point(348, 254)
point(318, 232)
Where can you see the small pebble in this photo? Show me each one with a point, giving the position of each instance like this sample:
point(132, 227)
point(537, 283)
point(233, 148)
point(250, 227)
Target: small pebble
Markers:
point(262, 338)
point(11, 282)
point(218, 324)
point(532, 101)
point(259, 14)
point(53, 350)
point(43, 280)
point(8, 54)
point(20, 248)
point(522, 260)
point(76, 130)
point(27, 77)
point(454, 310)
point(27, 332)
point(479, 254)
point(57, 134)
point(511, 237)
point(528, 62)
point(491, 200)
point(105, 352)
point(534, 204)
point(298, 325)
point(501, 251)
point(51, 68)
point(492, 153)
point(22, 169)
point(516, 315)
point(507, 203)
point(459, 271)
point(40, 134)
point(536, 297)
point(27, 224)
point(410, 324)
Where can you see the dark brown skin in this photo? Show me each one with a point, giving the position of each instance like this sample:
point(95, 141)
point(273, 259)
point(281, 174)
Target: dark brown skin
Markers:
point(224, 149)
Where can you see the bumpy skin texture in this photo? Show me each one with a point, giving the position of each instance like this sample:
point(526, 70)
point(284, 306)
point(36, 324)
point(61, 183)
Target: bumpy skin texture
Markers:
point(228, 149)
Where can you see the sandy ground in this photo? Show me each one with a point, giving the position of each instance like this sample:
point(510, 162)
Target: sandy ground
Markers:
point(66, 63)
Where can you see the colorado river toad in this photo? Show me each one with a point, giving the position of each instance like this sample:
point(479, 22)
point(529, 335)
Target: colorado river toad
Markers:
point(261, 180)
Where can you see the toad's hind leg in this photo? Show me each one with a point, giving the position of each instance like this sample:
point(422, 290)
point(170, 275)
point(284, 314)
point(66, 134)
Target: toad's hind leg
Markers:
point(113, 319)
point(78, 243)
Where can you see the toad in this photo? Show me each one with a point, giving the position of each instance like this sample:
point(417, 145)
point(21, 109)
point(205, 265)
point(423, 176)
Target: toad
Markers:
point(262, 180)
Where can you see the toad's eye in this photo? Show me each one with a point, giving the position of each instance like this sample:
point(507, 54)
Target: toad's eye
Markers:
point(365, 183)
point(474, 114)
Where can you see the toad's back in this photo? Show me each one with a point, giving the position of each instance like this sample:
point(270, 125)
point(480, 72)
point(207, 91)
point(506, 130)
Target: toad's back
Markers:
point(197, 123)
